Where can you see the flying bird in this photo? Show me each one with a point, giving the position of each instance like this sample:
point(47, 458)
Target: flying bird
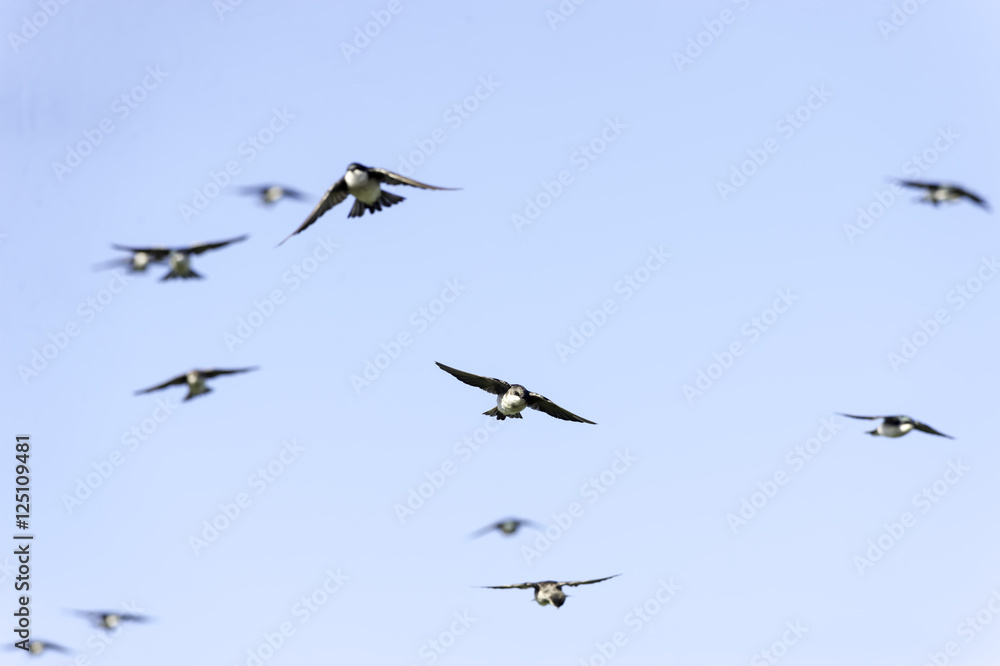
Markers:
point(512, 399)
point(508, 526)
point(111, 619)
point(548, 591)
point(896, 426)
point(270, 194)
point(195, 379)
point(37, 647)
point(141, 258)
point(365, 184)
point(180, 258)
point(938, 192)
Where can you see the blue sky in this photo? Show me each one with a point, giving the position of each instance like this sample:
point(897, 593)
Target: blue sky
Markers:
point(653, 197)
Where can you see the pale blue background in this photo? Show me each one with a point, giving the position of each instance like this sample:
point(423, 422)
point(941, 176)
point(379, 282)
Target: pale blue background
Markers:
point(655, 185)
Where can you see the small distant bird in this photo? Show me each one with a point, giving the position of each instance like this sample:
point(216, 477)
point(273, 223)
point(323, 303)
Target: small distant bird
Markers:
point(896, 426)
point(180, 258)
point(938, 192)
point(270, 194)
point(38, 647)
point(512, 399)
point(141, 258)
point(111, 619)
point(548, 591)
point(508, 526)
point(365, 183)
point(195, 379)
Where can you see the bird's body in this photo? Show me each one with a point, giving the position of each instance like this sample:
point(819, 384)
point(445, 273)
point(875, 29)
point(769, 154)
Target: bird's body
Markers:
point(365, 185)
point(897, 426)
point(140, 260)
point(549, 591)
point(512, 399)
point(37, 647)
point(195, 380)
point(935, 193)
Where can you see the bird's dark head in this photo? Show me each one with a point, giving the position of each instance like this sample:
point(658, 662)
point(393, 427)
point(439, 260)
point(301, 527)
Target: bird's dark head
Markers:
point(519, 391)
point(355, 166)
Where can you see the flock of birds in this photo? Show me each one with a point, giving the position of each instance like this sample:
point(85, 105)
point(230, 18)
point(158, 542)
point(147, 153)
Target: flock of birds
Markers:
point(365, 185)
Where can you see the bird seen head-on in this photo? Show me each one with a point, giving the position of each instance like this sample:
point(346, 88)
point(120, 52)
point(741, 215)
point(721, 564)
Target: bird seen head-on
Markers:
point(518, 390)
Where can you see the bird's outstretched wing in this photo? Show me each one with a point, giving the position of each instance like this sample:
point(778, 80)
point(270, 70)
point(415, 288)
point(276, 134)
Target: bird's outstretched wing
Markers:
point(923, 427)
point(179, 379)
point(205, 247)
point(157, 253)
point(216, 373)
point(922, 185)
point(543, 404)
point(854, 416)
point(520, 586)
point(484, 530)
point(337, 193)
point(390, 178)
point(488, 384)
point(973, 197)
point(586, 582)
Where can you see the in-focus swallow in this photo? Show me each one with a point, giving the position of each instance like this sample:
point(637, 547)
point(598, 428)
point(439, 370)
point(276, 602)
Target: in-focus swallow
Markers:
point(270, 194)
point(548, 591)
point(935, 193)
point(897, 426)
point(141, 258)
point(195, 380)
point(512, 399)
point(180, 258)
point(365, 183)
point(111, 619)
point(508, 526)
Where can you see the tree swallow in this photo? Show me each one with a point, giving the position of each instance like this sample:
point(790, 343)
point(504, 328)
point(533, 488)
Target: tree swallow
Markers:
point(178, 257)
point(938, 192)
point(897, 426)
point(141, 258)
point(195, 379)
point(548, 591)
point(512, 399)
point(365, 183)
point(111, 619)
point(508, 526)
point(270, 194)
point(37, 647)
